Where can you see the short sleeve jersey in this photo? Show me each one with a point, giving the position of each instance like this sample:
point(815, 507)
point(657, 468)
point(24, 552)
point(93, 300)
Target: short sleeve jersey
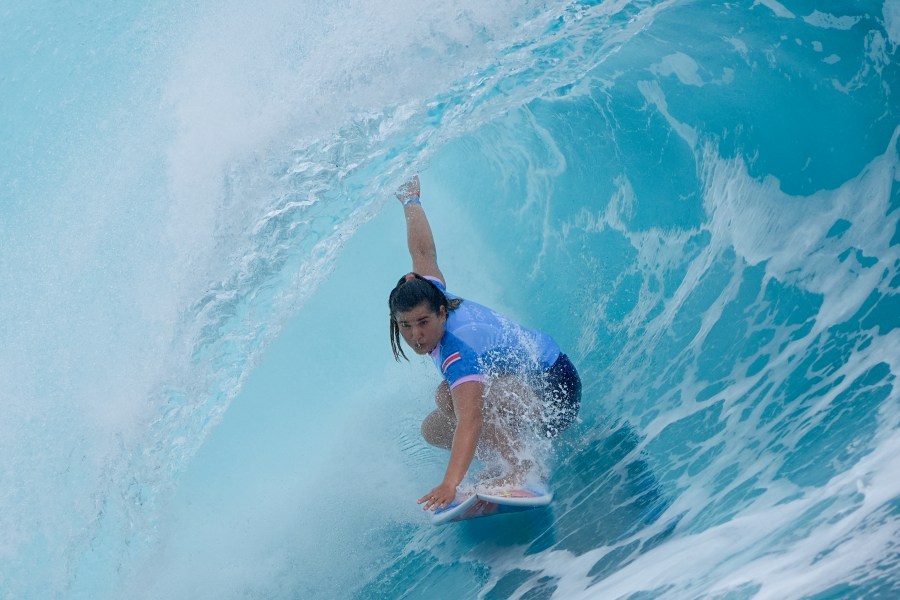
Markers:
point(478, 341)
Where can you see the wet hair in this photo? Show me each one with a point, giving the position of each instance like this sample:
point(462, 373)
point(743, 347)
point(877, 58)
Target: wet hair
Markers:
point(411, 291)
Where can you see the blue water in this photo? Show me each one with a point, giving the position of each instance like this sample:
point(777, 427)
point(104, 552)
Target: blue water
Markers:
point(700, 201)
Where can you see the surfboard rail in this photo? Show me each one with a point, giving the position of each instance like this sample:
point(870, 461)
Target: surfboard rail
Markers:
point(493, 502)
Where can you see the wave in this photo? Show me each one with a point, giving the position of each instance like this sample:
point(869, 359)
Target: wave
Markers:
point(196, 244)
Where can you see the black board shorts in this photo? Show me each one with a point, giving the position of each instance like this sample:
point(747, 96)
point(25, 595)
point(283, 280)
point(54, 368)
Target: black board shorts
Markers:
point(561, 390)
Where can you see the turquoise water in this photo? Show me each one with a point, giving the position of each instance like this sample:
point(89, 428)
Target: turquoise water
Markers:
point(700, 201)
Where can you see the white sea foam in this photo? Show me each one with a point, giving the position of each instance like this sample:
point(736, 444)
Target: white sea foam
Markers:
point(776, 7)
point(829, 21)
point(891, 13)
point(682, 66)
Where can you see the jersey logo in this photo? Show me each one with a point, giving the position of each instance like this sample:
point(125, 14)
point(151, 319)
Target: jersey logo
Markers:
point(449, 361)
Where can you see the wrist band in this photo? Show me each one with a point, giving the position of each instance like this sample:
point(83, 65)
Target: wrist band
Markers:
point(412, 200)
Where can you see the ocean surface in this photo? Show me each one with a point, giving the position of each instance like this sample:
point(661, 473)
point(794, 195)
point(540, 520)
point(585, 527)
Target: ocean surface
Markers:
point(699, 200)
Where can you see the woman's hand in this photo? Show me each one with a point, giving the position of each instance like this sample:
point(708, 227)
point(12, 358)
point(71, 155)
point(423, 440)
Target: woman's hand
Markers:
point(440, 497)
point(410, 189)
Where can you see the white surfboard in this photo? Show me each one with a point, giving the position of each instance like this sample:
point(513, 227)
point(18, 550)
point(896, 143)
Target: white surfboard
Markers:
point(493, 502)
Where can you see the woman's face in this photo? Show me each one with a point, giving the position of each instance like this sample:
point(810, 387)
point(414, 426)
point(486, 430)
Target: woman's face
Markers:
point(421, 327)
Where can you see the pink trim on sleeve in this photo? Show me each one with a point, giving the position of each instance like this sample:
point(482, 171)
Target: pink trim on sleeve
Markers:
point(467, 378)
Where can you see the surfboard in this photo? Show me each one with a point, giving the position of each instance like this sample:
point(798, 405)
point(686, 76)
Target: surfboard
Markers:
point(493, 502)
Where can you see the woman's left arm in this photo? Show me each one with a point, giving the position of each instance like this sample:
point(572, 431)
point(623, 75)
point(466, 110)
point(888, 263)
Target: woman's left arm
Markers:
point(419, 238)
point(467, 404)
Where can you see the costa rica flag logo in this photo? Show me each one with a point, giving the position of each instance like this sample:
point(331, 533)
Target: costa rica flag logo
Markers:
point(449, 361)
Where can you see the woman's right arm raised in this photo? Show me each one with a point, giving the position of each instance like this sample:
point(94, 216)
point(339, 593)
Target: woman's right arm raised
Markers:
point(419, 238)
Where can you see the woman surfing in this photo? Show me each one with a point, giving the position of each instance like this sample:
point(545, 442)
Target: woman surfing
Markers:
point(499, 377)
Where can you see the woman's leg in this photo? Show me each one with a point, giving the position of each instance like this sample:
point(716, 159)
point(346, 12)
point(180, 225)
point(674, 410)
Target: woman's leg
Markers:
point(439, 426)
point(510, 411)
point(510, 407)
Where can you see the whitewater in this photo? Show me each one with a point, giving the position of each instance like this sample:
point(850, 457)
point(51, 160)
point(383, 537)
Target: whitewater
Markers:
point(699, 201)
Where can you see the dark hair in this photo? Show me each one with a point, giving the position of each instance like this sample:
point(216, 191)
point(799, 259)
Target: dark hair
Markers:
point(411, 291)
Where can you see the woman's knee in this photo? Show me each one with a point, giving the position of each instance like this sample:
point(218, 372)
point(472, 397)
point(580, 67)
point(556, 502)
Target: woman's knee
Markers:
point(509, 395)
point(438, 429)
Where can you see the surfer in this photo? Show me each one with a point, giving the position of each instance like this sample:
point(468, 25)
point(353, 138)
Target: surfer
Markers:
point(490, 365)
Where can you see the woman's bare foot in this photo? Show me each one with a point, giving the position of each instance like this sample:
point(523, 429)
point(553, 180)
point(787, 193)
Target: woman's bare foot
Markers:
point(517, 477)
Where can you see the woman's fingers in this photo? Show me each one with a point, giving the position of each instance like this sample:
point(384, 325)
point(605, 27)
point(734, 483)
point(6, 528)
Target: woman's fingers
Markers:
point(436, 499)
point(409, 189)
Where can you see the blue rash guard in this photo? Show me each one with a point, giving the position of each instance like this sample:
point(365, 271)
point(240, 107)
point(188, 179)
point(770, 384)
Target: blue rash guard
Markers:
point(478, 341)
